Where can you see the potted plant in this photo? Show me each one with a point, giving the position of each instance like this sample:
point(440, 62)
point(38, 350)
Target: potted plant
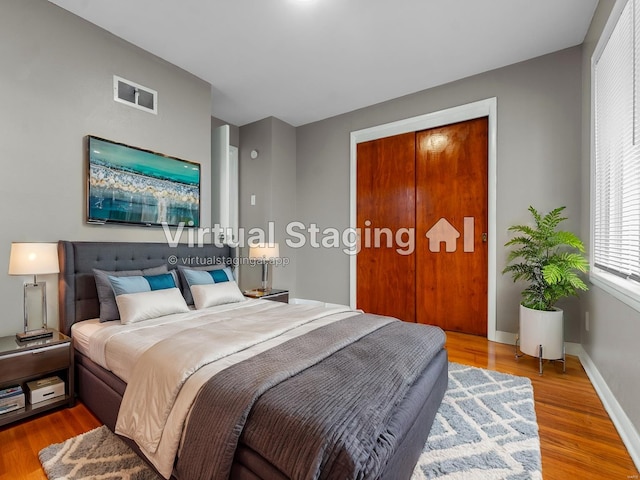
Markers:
point(550, 261)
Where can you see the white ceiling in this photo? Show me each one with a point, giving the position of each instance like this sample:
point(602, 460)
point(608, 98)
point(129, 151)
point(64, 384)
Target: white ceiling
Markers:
point(303, 61)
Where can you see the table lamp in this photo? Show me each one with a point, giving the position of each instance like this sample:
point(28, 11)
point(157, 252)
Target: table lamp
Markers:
point(266, 253)
point(34, 259)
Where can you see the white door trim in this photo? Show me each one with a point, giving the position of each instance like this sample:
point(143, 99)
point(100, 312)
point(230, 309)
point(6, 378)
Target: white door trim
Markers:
point(482, 108)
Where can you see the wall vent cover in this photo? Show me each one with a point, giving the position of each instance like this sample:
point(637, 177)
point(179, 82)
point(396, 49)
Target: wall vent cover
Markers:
point(135, 95)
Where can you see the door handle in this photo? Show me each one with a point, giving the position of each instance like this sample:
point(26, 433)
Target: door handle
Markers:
point(484, 238)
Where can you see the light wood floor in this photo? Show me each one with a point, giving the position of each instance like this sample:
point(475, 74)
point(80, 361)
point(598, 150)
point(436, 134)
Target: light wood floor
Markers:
point(577, 438)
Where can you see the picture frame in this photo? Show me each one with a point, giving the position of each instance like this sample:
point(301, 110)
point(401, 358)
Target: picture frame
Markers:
point(133, 186)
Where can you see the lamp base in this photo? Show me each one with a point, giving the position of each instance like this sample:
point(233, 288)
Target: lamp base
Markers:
point(34, 334)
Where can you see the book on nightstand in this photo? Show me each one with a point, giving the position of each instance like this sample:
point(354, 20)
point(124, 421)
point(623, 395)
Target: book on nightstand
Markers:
point(11, 398)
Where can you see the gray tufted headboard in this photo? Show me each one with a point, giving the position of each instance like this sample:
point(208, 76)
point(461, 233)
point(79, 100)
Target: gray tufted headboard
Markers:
point(77, 295)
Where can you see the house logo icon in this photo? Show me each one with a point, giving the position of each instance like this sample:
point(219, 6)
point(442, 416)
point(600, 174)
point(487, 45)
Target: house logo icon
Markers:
point(444, 232)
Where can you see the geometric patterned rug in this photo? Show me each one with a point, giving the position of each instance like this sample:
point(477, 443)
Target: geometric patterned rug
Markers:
point(95, 454)
point(485, 429)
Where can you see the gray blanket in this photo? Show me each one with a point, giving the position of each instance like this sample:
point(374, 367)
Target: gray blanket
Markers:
point(327, 421)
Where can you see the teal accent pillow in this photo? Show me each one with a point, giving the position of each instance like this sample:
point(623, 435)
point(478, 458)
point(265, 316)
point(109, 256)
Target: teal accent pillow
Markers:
point(223, 275)
point(137, 284)
point(161, 282)
point(108, 307)
point(210, 275)
point(198, 277)
point(206, 277)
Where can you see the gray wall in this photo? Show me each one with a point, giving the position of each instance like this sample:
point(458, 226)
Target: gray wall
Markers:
point(539, 118)
point(272, 179)
point(612, 339)
point(55, 88)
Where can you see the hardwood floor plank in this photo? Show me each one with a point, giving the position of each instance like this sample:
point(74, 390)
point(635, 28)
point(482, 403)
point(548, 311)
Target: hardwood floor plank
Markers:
point(577, 438)
point(22, 441)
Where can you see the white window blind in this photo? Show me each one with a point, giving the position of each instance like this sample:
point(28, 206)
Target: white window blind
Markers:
point(616, 226)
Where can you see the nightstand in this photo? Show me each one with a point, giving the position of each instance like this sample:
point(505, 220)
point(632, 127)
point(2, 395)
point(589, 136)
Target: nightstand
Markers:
point(21, 362)
point(274, 294)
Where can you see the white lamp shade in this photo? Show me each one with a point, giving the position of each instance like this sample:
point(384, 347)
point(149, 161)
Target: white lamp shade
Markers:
point(267, 251)
point(33, 259)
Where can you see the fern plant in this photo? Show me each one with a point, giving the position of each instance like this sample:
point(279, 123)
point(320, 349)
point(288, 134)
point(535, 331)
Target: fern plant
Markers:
point(548, 259)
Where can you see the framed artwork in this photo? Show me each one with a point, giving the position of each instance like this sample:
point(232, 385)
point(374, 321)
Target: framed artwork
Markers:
point(129, 185)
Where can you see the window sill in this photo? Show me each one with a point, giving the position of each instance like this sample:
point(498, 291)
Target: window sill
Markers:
point(624, 290)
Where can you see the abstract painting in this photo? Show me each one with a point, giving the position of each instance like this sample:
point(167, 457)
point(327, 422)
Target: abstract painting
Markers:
point(129, 185)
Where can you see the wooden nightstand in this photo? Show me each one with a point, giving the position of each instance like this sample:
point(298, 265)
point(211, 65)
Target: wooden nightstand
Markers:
point(21, 362)
point(273, 294)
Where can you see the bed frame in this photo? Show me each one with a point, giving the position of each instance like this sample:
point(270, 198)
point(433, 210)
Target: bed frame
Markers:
point(102, 392)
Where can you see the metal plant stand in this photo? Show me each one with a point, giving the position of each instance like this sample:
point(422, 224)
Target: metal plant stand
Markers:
point(539, 357)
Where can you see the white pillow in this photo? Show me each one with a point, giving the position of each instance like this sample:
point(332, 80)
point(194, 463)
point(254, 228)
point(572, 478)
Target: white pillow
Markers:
point(214, 294)
point(136, 307)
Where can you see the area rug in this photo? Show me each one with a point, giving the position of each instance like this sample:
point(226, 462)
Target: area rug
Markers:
point(92, 455)
point(485, 429)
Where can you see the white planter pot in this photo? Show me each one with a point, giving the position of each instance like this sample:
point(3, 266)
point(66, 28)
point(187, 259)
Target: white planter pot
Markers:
point(537, 328)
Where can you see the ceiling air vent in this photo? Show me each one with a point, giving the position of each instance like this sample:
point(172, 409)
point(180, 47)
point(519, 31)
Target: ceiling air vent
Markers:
point(130, 93)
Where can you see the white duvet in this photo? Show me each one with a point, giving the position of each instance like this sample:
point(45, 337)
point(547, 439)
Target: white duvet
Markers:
point(165, 361)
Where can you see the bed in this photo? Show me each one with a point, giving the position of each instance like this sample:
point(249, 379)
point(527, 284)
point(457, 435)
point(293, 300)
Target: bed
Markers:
point(331, 410)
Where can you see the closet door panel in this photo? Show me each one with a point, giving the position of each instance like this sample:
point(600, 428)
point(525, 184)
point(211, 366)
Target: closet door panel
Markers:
point(451, 220)
point(385, 205)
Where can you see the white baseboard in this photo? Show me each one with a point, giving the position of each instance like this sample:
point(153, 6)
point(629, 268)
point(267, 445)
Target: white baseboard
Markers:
point(627, 431)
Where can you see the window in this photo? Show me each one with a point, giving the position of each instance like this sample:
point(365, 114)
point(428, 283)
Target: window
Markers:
point(615, 263)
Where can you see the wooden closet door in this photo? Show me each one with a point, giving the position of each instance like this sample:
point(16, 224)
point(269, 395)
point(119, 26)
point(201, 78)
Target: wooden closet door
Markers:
point(451, 220)
point(386, 199)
